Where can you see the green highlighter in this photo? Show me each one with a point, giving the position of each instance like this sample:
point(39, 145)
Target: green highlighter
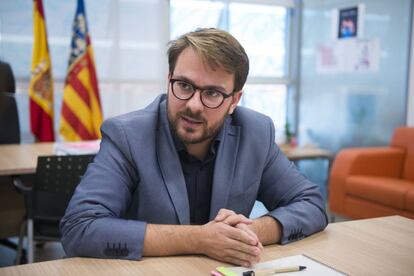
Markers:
point(225, 271)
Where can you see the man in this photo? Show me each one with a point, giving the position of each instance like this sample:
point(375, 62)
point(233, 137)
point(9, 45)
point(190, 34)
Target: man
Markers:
point(182, 175)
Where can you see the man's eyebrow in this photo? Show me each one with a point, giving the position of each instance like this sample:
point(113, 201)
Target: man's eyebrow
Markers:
point(215, 87)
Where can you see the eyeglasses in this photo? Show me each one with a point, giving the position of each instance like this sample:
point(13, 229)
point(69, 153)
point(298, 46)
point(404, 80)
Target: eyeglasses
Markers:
point(210, 97)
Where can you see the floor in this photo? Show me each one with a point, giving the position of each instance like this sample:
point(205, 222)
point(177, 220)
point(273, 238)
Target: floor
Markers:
point(53, 250)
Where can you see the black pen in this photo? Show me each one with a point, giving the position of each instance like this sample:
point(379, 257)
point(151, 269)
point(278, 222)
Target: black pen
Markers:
point(272, 271)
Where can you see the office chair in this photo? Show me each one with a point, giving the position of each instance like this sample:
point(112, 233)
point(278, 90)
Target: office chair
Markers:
point(12, 205)
point(12, 217)
point(55, 181)
point(9, 119)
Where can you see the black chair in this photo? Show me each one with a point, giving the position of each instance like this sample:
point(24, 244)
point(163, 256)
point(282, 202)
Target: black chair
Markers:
point(9, 119)
point(11, 203)
point(55, 181)
point(12, 218)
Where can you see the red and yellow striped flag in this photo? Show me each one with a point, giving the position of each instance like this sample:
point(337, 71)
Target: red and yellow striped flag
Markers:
point(81, 116)
point(41, 85)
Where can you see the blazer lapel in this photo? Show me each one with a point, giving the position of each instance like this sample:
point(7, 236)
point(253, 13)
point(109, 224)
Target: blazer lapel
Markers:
point(224, 167)
point(170, 166)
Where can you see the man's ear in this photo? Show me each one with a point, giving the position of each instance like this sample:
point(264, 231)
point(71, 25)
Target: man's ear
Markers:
point(234, 101)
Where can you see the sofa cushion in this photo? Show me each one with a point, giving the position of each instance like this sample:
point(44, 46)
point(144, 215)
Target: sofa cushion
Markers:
point(408, 172)
point(403, 138)
point(409, 200)
point(358, 208)
point(388, 191)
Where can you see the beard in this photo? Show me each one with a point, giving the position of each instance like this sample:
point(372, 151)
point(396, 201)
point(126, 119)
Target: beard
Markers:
point(189, 135)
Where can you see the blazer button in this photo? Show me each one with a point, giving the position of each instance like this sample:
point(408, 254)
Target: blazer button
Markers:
point(108, 251)
point(124, 251)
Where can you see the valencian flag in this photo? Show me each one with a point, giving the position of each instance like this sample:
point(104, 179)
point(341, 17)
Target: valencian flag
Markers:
point(41, 85)
point(81, 115)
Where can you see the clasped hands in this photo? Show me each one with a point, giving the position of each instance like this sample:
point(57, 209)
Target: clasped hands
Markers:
point(230, 238)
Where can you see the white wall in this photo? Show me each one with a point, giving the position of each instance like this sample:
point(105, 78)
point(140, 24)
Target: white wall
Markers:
point(410, 98)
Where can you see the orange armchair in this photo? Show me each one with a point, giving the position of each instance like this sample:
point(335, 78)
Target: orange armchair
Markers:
point(374, 182)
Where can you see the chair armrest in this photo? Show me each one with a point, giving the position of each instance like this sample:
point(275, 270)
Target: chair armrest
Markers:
point(27, 192)
point(18, 183)
point(377, 161)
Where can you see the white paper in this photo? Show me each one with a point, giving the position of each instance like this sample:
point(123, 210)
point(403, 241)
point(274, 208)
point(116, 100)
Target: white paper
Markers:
point(312, 267)
point(348, 56)
point(77, 148)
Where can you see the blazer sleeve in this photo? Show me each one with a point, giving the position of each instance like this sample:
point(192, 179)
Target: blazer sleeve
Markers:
point(93, 224)
point(291, 198)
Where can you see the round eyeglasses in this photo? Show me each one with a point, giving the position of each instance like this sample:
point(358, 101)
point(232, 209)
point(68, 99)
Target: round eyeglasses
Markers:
point(210, 97)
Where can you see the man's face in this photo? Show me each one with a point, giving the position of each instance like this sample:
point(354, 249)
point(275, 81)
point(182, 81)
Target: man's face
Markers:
point(192, 122)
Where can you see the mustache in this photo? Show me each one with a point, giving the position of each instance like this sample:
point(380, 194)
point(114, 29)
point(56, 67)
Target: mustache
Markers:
point(195, 116)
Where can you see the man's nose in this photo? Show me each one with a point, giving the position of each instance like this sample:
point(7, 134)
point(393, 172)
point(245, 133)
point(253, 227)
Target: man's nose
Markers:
point(195, 104)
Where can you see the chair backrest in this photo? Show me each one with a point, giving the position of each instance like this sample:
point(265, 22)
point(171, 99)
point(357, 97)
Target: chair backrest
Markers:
point(9, 119)
point(404, 138)
point(55, 181)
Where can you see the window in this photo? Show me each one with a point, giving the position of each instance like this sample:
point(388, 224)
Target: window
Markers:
point(263, 28)
point(128, 39)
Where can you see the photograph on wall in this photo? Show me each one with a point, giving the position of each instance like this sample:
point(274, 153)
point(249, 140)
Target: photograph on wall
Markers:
point(348, 23)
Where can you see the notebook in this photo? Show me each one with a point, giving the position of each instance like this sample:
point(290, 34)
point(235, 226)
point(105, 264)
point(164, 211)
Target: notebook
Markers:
point(313, 267)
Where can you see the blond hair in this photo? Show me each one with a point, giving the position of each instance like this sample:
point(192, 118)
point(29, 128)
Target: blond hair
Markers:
point(217, 48)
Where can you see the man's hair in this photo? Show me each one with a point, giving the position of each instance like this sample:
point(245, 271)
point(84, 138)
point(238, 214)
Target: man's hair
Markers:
point(216, 48)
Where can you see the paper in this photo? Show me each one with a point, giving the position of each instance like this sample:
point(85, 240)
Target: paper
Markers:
point(313, 267)
point(77, 148)
point(348, 56)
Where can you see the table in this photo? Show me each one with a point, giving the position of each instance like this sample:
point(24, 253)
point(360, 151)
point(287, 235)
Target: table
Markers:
point(20, 159)
point(380, 246)
point(306, 152)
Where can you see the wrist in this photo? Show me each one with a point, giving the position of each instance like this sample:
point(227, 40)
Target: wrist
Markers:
point(197, 239)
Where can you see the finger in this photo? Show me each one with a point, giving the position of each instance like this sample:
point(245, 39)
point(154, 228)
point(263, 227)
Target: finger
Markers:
point(236, 219)
point(242, 236)
point(249, 250)
point(260, 246)
point(223, 213)
point(245, 257)
point(235, 261)
point(249, 231)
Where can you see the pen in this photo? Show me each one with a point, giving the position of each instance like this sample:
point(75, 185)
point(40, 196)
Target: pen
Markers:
point(272, 271)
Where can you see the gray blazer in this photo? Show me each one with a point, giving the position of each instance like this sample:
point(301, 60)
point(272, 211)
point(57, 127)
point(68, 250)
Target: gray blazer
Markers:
point(136, 178)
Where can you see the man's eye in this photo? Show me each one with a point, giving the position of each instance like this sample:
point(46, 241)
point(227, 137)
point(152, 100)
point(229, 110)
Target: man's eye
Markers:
point(212, 93)
point(184, 85)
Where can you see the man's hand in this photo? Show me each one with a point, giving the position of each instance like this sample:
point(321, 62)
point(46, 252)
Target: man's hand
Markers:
point(231, 218)
point(229, 244)
point(267, 229)
point(229, 237)
point(239, 221)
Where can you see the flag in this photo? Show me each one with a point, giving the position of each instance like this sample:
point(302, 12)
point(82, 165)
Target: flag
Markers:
point(81, 115)
point(41, 85)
